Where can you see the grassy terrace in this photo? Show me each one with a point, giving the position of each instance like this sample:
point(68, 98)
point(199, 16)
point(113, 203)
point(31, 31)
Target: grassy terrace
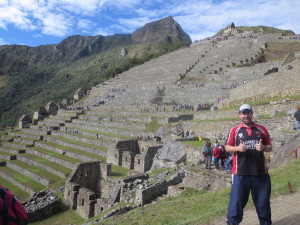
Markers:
point(54, 180)
point(9, 148)
point(56, 155)
point(56, 166)
point(21, 178)
point(21, 195)
point(6, 153)
point(110, 127)
point(80, 143)
point(102, 133)
point(79, 152)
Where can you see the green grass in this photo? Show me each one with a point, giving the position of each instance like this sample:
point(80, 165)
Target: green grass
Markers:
point(199, 207)
point(21, 195)
point(153, 125)
point(66, 216)
point(76, 151)
point(196, 144)
point(263, 102)
point(56, 166)
point(81, 143)
point(103, 133)
point(190, 207)
point(27, 181)
point(118, 171)
point(6, 153)
point(3, 80)
point(54, 180)
point(56, 155)
point(158, 171)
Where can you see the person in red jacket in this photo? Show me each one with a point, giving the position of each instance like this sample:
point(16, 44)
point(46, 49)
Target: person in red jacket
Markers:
point(217, 155)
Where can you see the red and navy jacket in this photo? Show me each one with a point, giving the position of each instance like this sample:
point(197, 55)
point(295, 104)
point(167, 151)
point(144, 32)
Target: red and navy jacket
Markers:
point(250, 162)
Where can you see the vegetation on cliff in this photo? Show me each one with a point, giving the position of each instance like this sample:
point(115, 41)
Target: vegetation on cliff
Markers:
point(30, 77)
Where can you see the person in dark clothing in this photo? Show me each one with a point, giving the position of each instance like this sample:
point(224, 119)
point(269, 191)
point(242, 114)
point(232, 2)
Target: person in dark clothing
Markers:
point(247, 142)
point(297, 117)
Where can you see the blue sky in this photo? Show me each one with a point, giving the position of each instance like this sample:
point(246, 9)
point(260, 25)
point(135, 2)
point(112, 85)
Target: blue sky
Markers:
point(40, 22)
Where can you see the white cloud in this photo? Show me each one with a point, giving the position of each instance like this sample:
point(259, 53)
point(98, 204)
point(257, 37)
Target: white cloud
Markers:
point(15, 16)
point(56, 24)
point(3, 42)
point(134, 22)
point(197, 17)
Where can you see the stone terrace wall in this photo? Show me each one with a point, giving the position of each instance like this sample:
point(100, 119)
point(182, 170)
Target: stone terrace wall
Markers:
point(272, 85)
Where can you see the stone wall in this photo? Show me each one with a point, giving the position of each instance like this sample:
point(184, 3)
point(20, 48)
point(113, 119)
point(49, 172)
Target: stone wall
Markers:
point(206, 182)
point(42, 205)
point(148, 194)
point(50, 158)
point(81, 148)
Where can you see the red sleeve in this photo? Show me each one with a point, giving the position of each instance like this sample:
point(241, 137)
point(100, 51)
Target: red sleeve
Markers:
point(231, 137)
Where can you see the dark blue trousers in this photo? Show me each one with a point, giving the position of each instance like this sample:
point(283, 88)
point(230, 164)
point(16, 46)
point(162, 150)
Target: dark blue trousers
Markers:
point(260, 187)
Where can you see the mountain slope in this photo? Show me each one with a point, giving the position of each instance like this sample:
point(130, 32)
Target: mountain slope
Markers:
point(37, 75)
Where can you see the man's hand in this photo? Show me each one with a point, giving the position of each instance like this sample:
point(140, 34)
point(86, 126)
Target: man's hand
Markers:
point(260, 147)
point(241, 147)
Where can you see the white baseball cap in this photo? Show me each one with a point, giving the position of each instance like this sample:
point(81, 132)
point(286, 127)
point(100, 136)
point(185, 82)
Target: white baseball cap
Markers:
point(245, 107)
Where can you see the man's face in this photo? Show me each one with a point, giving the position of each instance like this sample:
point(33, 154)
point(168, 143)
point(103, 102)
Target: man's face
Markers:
point(246, 117)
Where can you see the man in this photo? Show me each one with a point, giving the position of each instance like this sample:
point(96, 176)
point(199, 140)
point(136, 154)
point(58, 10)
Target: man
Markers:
point(217, 155)
point(247, 142)
point(297, 117)
point(207, 154)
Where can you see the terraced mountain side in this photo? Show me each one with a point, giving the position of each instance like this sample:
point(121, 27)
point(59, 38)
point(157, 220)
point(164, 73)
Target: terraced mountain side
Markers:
point(43, 155)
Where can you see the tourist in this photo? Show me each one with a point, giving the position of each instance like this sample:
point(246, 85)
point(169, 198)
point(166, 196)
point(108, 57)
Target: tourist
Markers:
point(228, 162)
point(217, 155)
point(247, 142)
point(297, 117)
point(207, 154)
point(223, 156)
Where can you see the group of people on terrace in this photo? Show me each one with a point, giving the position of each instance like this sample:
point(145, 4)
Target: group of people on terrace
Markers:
point(217, 155)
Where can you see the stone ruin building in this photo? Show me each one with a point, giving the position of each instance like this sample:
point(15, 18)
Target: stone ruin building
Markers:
point(229, 27)
point(134, 154)
point(40, 114)
point(79, 93)
point(51, 107)
point(86, 188)
point(24, 120)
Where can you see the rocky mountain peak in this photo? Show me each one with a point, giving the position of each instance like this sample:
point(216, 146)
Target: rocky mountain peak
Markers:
point(166, 28)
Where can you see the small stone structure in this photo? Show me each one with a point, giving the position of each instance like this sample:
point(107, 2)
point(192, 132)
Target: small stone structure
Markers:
point(40, 114)
point(229, 27)
point(51, 108)
point(79, 94)
point(83, 187)
point(25, 119)
point(42, 205)
point(134, 154)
